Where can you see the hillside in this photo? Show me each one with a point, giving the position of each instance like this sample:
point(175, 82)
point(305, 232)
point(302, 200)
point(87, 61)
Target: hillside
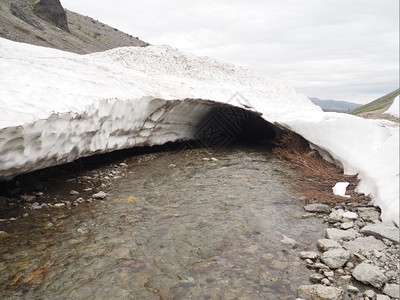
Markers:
point(334, 105)
point(376, 108)
point(83, 35)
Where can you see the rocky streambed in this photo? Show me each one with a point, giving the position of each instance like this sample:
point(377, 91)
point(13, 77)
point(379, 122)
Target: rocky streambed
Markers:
point(190, 224)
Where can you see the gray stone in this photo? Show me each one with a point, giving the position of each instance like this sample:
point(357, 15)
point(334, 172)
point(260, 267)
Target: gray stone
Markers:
point(99, 195)
point(325, 281)
point(321, 266)
point(335, 258)
point(382, 230)
point(316, 278)
point(364, 244)
point(73, 193)
point(327, 244)
point(382, 297)
point(392, 290)
point(369, 274)
point(336, 216)
point(320, 292)
point(369, 214)
point(318, 208)
point(308, 255)
point(352, 290)
point(288, 242)
point(347, 225)
point(345, 279)
point(369, 293)
point(338, 234)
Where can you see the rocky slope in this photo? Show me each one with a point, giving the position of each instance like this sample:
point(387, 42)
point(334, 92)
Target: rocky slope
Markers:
point(34, 22)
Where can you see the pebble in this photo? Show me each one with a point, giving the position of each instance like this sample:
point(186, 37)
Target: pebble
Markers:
point(59, 205)
point(25, 215)
point(73, 193)
point(347, 225)
point(325, 281)
point(316, 278)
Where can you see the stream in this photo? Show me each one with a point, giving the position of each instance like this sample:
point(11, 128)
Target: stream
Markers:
point(188, 224)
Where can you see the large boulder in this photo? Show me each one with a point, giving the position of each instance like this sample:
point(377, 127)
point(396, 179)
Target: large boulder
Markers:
point(370, 274)
point(52, 12)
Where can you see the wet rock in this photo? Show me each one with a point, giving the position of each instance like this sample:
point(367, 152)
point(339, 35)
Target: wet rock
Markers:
point(369, 274)
point(316, 278)
point(4, 234)
point(352, 290)
point(99, 195)
point(73, 193)
point(317, 208)
point(382, 230)
point(25, 215)
point(335, 258)
point(288, 242)
point(345, 279)
point(308, 255)
point(28, 198)
point(392, 290)
point(338, 234)
point(327, 244)
point(59, 205)
point(364, 244)
point(320, 292)
point(325, 281)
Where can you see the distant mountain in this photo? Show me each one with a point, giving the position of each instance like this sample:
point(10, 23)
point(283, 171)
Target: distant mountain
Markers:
point(335, 105)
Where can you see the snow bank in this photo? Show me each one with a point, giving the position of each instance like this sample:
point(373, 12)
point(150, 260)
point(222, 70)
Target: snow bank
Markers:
point(57, 106)
point(393, 110)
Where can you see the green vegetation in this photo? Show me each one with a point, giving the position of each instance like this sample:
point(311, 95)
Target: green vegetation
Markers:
point(79, 27)
point(376, 105)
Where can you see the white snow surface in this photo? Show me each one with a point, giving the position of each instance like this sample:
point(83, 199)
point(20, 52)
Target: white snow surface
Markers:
point(340, 189)
point(393, 110)
point(57, 106)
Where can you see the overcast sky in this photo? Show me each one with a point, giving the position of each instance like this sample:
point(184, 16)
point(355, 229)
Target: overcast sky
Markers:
point(330, 49)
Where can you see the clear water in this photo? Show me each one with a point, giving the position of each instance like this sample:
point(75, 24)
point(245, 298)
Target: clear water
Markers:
point(176, 227)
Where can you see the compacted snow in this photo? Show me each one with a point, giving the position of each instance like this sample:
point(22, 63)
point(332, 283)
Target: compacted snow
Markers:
point(393, 110)
point(57, 106)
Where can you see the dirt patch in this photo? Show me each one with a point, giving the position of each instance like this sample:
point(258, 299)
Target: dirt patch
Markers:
point(319, 175)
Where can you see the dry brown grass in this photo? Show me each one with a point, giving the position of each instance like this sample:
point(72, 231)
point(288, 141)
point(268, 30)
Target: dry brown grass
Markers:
point(317, 176)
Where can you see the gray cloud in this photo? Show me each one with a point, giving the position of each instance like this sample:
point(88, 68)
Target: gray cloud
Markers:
point(344, 50)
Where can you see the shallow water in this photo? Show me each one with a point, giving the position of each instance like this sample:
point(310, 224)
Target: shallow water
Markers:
point(186, 225)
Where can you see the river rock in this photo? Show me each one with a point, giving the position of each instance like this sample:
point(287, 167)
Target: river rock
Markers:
point(364, 244)
point(350, 215)
point(327, 244)
point(99, 195)
point(339, 234)
point(382, 297)
point(316, 278)
point(308, 255)
point(288, 242)
point(392, 290)
point(335, 258)
point(382, 230)
point(320, 292)
point(369, 274)
point(347, 225)
point(318, 208)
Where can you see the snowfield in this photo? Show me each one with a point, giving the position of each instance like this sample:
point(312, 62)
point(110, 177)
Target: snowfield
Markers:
point(57, 106)
point(393, 110)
